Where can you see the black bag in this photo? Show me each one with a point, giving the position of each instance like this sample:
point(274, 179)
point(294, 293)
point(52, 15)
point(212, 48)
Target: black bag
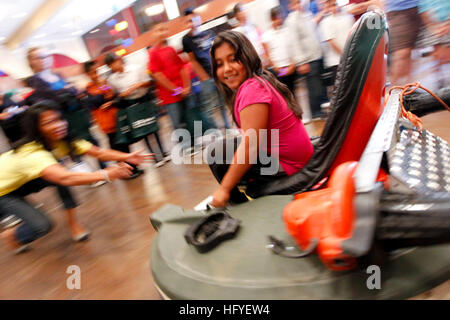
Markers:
point(79, 121)
point(123, 132)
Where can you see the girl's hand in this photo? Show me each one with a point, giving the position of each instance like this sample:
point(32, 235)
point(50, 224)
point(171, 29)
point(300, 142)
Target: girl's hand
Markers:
point(220, 197)
point(5, 115)
point(136, 158)
point(121, 171)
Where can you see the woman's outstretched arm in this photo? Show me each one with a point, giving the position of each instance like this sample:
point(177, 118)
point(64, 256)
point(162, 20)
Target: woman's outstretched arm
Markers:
point(58, 174)
point(135, 158)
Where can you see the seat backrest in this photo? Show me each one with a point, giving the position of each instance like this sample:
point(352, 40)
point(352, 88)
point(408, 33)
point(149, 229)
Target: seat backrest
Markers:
point(356, 105)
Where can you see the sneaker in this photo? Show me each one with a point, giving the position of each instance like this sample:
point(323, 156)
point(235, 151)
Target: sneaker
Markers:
point(22, 249)
point(160, 163)
point(191, 151)
point(10, 222)
point(135, 174)
point(98, 184)
point(325, 105)
point(83, 236)
point(167, 157)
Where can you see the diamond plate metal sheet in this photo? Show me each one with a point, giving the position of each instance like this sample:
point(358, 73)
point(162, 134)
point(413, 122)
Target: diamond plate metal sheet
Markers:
point(421, 161)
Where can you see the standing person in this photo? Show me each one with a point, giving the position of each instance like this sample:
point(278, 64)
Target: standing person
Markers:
point(259, 103)
point(33, 165)
point(197, 45)
point(404, 27)
point(334, 29)
point(172, 79)
point(175, 89)
point(132, 87)
point(250, 31)
point(11, 113)
point(436, 16)
point(308, 53)
point(100, 100)
point(51, 86)
point(278, 45)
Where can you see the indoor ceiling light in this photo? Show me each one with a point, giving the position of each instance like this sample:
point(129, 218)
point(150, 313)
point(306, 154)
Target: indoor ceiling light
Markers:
point(19, 15)
point(95, 30)
point(155, 10)
point(172, 10)
point(121, 52)
point(121, 26)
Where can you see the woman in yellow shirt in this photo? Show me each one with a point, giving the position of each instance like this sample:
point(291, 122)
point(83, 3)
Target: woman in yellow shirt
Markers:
point(33, 165)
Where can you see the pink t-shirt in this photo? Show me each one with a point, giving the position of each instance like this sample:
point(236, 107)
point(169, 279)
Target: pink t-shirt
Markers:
point(295, 148)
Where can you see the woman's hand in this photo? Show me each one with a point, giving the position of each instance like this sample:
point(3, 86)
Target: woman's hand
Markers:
point(220, 197)
point(304, 68)
point(5, 115)
point(186, 91)
point(120, 171)
point(136, 158)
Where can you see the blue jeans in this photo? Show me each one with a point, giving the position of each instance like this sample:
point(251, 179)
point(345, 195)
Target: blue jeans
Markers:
point(175, 111)
point(211, 98)
point(35, 223)
point(315, 88)
point(178, 115)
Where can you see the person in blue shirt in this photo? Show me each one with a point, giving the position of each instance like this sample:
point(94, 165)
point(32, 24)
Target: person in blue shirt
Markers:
point(196, 44)
point(436, 16)
point(49, 85)
point(404, 26)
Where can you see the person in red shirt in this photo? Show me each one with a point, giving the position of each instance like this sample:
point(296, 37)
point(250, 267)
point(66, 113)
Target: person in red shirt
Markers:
point(172, 78)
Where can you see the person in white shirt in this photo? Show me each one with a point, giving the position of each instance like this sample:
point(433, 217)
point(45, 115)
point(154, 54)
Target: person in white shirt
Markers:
point(132, 86)
point(334, 29)
point(130, 83)
point(280, 50)
point(250, 31)
point(308, 53)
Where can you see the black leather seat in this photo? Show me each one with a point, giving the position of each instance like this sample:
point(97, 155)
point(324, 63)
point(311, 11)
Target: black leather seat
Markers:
point(366, 43)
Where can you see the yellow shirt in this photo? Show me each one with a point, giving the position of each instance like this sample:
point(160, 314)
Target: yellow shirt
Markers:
point(27, 162)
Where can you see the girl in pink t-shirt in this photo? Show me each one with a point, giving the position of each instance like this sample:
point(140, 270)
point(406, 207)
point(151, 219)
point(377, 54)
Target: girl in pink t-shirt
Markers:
point(260, 104)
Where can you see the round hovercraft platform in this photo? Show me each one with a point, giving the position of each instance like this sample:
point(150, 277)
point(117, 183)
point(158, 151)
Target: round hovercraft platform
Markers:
point(244, 268)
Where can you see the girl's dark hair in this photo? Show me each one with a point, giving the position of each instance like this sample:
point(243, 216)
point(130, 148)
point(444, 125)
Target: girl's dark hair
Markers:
point(237, 8)
point(246, 54)
point(30, 126)
point(88, 66)
point(276, 12)
point(110, 58)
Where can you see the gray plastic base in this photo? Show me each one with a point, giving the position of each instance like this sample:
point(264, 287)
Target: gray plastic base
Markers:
point(243, 268)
